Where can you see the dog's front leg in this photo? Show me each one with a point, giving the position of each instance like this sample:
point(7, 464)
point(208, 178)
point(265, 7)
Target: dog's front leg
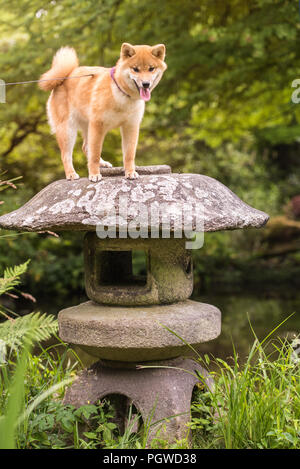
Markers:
point(95, 141)
point(130, 135)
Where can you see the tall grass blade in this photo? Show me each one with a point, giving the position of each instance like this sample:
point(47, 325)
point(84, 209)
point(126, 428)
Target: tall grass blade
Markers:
point(14, 405)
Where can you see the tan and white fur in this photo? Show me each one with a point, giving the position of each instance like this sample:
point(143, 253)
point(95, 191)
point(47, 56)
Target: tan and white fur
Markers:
point(97, 104)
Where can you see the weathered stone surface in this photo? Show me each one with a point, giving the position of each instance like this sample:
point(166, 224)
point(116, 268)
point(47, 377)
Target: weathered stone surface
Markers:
point(162, 395)
point(142, 170)
point(109, 278)
point(205, 203)
point(138, 333)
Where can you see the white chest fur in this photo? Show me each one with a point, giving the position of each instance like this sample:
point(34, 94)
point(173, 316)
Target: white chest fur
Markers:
point(124, 110)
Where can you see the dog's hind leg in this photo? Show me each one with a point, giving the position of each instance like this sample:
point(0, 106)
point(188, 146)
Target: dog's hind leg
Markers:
point(65, 128)
point(84, 131)
point(105, 164)
point(66, 135)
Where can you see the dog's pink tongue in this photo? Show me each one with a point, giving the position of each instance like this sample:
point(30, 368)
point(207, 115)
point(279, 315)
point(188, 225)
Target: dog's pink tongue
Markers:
point(145, 94)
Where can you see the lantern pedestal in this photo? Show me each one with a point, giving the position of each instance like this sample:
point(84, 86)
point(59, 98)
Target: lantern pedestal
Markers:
point(134, 322)
point(161, 393)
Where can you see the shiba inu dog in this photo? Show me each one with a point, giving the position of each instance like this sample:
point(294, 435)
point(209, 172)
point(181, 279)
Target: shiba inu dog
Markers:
point(103, 100)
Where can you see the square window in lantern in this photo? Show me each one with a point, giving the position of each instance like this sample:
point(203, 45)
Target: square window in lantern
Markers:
point(122, 268)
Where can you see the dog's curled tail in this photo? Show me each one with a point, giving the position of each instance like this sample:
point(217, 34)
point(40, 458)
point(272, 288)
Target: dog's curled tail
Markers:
point(63, 63)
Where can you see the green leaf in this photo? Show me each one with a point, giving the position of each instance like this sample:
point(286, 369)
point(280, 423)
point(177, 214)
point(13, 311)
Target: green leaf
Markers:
point(14, 405)
point(11, 277)
point(91, 435)
point(33, 327)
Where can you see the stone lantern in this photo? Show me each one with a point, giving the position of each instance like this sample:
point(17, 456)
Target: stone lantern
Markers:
point(139, 327)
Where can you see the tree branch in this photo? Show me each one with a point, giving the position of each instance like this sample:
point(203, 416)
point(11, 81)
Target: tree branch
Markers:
point(21, 133)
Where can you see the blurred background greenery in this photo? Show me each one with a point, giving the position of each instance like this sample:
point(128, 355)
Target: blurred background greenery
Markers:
point(223, 109)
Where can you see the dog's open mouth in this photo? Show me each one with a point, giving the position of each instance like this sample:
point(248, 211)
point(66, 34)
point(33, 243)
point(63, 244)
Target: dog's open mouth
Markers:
point(145, 93)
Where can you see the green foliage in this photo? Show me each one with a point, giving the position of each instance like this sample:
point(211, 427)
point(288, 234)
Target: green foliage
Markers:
point(16, 336)
point(11, 277)
point(16, 404)
point(15, 392)
point(223, 109)
point(256, 405)
point(228, 80)
point(56, 267)
point(33, 327)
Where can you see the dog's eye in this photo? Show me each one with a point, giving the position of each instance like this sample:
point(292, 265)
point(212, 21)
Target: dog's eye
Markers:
point(151, 69)
point(135, 69)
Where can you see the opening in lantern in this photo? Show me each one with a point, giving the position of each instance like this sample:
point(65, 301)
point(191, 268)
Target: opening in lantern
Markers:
point(122, 268)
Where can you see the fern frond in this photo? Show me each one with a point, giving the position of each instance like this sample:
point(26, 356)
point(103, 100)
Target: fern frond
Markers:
point(11, 277)
point(33, 327)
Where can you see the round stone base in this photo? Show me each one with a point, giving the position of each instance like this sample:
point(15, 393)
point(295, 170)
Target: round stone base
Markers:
point(139, 333)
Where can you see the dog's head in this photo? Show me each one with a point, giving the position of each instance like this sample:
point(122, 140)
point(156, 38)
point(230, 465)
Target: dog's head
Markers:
point(141, 68)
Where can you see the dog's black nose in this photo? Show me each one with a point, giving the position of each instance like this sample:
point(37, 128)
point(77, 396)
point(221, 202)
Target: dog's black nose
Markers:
point(146, 84)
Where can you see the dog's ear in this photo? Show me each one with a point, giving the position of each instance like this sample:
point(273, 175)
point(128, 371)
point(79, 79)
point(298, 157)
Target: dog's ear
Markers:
point(127, 50)
point(159, 51)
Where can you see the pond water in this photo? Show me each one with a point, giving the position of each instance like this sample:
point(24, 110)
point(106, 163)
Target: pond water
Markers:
point(264, 310)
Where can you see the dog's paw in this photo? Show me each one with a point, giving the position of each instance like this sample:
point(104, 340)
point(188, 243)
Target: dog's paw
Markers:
point(95, 177)
point(105, 164)
point(72, 176)
point(131, 174)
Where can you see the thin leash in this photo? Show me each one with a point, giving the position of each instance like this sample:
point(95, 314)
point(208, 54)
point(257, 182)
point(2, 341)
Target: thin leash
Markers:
point(45, 79)
point(112, 73)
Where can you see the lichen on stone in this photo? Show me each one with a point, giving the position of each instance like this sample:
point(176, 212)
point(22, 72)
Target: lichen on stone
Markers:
point(83, 205)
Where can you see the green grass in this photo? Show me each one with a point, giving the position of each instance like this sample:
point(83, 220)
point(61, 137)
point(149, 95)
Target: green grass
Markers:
point(253, 405)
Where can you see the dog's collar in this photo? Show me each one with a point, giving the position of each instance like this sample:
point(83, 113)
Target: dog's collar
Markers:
point(112, 74)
